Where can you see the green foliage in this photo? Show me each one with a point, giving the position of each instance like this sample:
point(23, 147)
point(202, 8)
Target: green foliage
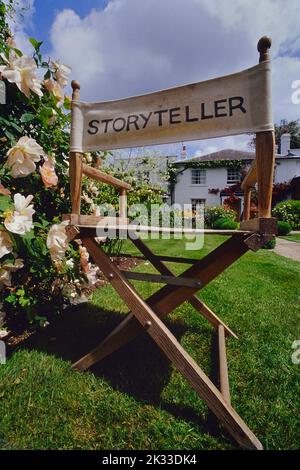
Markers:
point(38, 286)
point(270, 245)
point(211, 214)
point(43, 114)
point(292, 127)
point(284, 228)
point(225, 224)
point(288, 211)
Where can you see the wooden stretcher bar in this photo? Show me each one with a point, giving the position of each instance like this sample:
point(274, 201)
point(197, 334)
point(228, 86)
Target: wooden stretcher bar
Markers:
point(161, 279)
point(119, 224)
point(169, 259)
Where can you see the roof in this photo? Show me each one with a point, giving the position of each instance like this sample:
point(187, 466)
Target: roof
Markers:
point(230, 154)
point(227, 154)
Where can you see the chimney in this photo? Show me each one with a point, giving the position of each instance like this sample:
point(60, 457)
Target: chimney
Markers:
point(285, 143)
point(183, 152)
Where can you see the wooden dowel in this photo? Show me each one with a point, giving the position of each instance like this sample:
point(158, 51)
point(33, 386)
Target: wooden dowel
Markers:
point(223, 367)
point(161, 278)
point(263, 47)
point(265, 150)
point(104, 177)
point(75, 168)
point(123, 203)
point(251, 177)
point(247, 203)
point(75, 174)
point(265, 162)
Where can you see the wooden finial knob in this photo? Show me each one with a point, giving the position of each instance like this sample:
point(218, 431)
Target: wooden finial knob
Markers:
point(75, 87)
point(263, 47)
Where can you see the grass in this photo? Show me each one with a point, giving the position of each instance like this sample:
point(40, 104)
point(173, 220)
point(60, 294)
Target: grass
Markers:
point(135, 399)
point(294, 237)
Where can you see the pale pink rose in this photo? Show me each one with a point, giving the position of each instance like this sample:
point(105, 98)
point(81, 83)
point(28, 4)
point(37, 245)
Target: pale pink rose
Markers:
point(23, 72)
point(48, 174)
point(49, 84)
point(55, 88)
point(10, 42)
point(84, 259)
point(62, 73)
point(57, 242)
point(22, 157)
point(4, 191)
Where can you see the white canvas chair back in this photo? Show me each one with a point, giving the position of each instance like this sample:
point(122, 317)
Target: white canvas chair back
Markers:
point(234, 104)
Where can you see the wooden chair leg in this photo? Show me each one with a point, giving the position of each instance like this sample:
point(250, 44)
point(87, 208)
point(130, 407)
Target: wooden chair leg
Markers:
point(223, 368)
point(173, 350)
point(206, 270)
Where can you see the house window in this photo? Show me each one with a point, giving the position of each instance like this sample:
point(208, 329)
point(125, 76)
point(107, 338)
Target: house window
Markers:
point(197, 204)
point(198, 176)
point(233, 175)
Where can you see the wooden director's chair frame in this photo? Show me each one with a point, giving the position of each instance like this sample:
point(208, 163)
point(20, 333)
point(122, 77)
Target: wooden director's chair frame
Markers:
point(147, 315)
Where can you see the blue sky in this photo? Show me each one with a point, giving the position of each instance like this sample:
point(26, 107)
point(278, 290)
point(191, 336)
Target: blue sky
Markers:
point(45, 12)
point(120, 48)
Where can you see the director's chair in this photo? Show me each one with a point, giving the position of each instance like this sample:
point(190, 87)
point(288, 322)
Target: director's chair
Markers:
point(147, 315)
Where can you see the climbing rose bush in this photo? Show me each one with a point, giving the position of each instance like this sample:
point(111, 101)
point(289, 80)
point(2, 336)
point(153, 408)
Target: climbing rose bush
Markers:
point(39, 269)
point(40, 272)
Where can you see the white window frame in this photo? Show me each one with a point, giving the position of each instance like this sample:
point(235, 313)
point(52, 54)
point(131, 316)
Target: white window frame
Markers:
point(200, 202)
point(198, 176)
point(236, 178)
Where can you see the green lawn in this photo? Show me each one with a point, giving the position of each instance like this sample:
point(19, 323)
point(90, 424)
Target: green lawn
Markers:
point(135, 399)
point(294, 237)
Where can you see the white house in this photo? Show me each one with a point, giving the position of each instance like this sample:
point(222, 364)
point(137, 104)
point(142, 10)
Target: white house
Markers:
point(200, 180)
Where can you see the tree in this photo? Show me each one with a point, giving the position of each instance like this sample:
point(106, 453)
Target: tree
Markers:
point(285, 126)
point(290, 127)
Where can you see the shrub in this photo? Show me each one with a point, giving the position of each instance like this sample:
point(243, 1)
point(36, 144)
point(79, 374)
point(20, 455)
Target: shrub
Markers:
point(225, 224)
point(211, 214)
point(284, 228)
point(270, 245)
point(288, 211)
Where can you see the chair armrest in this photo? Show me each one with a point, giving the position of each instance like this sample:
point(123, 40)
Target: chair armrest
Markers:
point(104, 177)
point(251, 177)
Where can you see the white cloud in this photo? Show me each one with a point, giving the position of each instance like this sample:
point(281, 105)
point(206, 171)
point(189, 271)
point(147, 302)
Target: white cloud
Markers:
point(238, 142)
point(135, 46)
point(21, 20)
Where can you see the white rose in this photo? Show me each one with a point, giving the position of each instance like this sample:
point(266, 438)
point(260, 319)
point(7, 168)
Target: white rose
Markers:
point(92, 274)
point(22, 157)
point(70, 263)
point(57, 241)
point(20, 221)
point(23, 72)
point(6, 244)
point(62, 73)
point(6, 269)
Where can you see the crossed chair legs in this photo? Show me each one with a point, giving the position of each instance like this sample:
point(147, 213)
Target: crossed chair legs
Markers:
point(147, 315)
